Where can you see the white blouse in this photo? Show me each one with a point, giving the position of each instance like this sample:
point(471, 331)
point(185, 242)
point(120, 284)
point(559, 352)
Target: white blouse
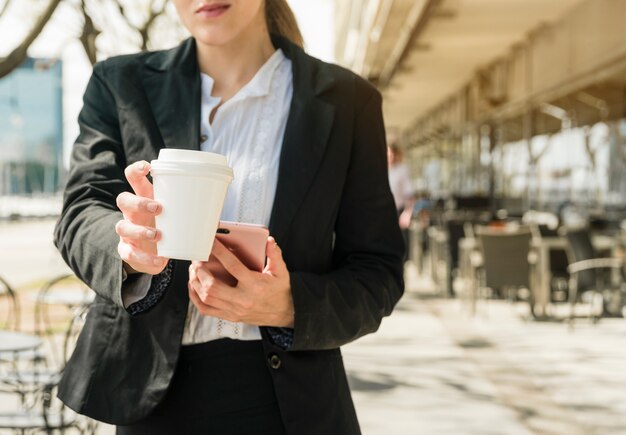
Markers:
point(248, 129)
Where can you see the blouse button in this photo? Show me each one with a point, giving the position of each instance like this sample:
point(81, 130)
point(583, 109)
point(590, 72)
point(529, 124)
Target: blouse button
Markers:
point(274, 361)
point(203, 138)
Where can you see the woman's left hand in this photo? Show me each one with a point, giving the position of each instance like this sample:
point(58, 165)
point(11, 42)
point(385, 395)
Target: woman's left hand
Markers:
point(260, 298)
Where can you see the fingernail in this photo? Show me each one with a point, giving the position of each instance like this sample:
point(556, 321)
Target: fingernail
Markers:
point(150, 234)
point(153, 206)
point(157, 261)
point(141, 166)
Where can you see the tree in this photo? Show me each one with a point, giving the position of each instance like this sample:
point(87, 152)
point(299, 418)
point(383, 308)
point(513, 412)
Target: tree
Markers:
point(106, 27)
point(131, 22)
point(4, 7)
point(19, 53)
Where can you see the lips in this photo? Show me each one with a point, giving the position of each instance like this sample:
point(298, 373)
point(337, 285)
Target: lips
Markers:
point(211, 10)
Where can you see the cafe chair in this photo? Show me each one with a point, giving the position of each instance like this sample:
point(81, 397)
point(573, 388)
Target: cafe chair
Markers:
point(9, 307)
point(465, 281)
point(550, 271)
point(503, 269)
point(455, 231)
point(558, 267)
point(59, 299)
point(56, 304)
point(45, 414)
point(38, 409)
point(590, 273)
point(10, 321)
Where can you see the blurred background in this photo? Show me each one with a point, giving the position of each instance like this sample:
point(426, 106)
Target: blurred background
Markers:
point(508, 125)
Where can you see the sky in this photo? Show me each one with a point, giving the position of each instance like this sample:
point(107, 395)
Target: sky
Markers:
point(315, 19)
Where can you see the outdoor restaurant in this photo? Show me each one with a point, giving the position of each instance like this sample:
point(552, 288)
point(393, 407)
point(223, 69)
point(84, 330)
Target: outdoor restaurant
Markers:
point(511, 116)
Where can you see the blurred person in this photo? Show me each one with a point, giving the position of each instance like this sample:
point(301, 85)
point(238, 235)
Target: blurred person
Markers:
point(422, 209)
point(168, 348)
point(400, 184)
point(422, 206)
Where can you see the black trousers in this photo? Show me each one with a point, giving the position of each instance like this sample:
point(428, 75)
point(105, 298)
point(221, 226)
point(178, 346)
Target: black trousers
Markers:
point(222, 387)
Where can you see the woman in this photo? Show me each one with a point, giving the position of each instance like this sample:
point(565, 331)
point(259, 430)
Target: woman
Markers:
point(166, 347)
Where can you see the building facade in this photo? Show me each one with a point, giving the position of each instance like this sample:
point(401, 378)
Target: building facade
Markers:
point(31, 129)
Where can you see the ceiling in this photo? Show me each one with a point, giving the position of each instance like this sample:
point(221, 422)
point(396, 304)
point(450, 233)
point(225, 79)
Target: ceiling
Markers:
point(450, 43)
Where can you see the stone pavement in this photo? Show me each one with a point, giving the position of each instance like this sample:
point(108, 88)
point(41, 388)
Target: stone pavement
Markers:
point(433, 369)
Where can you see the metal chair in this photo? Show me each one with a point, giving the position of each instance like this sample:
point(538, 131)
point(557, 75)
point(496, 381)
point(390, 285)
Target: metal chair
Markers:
point(64, 295)
point(9, 307)
point(57, 303)
point(42, 411)
point(10, 320)
point(591, 273)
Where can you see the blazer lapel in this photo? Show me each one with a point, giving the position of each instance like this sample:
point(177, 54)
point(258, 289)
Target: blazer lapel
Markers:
point(306, 135)
point(171, 80)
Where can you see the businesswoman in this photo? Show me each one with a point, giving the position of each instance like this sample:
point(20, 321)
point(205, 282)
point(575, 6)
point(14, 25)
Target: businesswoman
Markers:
point(166, 347)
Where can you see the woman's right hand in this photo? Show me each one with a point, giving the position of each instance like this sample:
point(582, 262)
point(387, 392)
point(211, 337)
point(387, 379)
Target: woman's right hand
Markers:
point(137, 231)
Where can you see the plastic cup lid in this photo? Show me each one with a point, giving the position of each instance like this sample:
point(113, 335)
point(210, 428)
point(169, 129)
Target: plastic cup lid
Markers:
point(191, 156)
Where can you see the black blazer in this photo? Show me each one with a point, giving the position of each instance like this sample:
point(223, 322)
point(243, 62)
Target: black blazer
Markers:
point(333, 216)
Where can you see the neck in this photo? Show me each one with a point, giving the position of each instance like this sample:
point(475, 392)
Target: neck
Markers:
point(234, 64)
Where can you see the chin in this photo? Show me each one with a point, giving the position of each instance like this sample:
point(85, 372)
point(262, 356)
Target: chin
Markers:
point(215, 37)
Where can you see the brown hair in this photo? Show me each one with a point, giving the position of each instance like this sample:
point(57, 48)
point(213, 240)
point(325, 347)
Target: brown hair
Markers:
point(281, 21)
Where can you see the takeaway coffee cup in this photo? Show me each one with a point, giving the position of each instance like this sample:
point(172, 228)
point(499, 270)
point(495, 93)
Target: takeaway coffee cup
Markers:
point(191, 186)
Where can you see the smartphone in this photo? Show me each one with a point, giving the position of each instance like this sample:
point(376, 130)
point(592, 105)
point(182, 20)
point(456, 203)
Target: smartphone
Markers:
point(246, 241)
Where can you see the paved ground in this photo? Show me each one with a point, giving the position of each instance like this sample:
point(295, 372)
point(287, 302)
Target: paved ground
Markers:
point(27, 254)
point(432, 369)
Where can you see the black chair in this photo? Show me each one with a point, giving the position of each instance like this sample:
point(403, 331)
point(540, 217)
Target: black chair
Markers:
point(591, 273)
point(504, 269)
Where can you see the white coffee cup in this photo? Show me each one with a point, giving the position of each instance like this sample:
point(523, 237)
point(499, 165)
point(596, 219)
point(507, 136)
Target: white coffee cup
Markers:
point(191, 186)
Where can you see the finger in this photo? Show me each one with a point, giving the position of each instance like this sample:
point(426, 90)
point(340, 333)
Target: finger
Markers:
point(214, 288)
point(138, 259)
point(275, 263)
point(136, 176)
point(209, 310)
point(194, 266)
point(195, 298)
point(130, 231)
point(208, 298)
point(192, 271)
point(231, 263)
point(195, 285)
point(131, 204)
